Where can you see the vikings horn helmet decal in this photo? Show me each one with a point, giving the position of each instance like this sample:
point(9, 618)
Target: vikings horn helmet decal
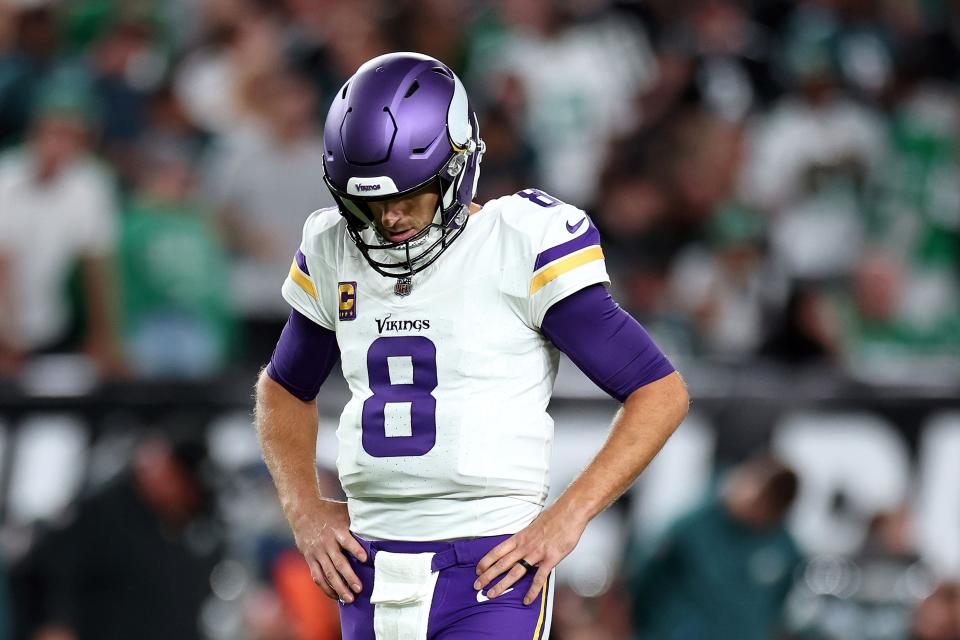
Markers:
point(401, 123)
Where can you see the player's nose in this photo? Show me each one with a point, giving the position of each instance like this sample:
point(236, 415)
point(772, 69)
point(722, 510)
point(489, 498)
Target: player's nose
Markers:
point(392, 214)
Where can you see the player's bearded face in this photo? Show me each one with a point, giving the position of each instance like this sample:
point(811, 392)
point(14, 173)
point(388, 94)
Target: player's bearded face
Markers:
point(398, 220)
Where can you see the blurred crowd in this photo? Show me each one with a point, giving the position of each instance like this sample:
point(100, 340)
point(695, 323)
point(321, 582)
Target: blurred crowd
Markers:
point(774, 182)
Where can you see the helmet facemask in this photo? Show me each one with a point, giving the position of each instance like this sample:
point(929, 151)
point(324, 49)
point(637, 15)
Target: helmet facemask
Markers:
point(407, 257)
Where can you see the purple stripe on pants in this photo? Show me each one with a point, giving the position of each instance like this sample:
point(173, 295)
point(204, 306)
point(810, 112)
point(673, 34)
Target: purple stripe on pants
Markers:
point(457, 612)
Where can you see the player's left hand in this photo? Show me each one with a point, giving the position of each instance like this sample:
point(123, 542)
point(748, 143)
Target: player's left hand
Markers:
point(544, 543)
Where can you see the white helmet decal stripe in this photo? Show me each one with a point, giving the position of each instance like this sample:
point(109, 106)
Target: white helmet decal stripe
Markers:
point(458, 116)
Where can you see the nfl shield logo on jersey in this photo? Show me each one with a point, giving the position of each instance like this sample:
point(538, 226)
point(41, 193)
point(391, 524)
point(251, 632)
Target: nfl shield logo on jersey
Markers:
point(348, 300)
point(403, 286)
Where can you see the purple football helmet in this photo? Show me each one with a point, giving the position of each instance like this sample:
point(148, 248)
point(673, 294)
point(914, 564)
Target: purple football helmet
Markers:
point(401, 123)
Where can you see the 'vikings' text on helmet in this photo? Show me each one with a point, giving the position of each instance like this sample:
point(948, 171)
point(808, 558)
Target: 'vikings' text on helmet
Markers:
point(402, 122)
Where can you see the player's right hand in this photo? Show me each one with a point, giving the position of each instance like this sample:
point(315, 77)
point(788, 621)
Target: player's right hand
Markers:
point(322, 538)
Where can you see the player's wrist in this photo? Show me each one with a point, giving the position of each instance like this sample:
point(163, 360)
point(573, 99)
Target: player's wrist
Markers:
point(574, 510)
point(303, 507)
point(314, 510)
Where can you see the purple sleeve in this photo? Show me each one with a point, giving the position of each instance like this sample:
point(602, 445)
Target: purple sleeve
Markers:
point(304, 356)
point(605, 342)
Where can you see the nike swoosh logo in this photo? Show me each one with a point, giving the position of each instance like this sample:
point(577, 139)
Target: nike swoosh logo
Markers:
point(483, 598)
point(574, 228)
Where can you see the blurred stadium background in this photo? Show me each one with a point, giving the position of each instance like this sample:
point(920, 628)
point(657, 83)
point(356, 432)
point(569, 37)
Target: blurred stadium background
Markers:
point(778, 186)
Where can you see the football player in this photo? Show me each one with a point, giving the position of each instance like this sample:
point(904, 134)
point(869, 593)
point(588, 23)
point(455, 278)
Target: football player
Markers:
point(448, 318)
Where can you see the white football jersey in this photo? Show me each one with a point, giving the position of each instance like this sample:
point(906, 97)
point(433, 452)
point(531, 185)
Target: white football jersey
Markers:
point(446, 434)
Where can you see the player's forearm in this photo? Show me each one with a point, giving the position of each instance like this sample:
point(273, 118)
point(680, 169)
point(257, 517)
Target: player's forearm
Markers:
point(648, 418)
point(287, 429)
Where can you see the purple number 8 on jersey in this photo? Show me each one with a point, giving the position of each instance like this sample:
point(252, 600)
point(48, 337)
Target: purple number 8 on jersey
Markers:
point(415, 391)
